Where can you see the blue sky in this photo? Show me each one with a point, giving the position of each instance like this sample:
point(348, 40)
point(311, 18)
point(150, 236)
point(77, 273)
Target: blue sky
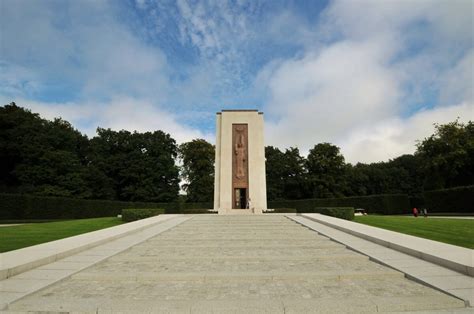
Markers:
point(369, 76)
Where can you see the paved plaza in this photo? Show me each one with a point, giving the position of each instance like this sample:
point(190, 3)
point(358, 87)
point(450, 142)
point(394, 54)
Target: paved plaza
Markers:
point(237, 264)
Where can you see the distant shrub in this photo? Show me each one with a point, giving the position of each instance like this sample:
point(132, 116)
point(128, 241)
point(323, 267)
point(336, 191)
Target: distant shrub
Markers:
point(132, 214)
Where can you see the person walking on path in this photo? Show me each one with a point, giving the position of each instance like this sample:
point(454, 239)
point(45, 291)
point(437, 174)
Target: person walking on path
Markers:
point(425, 212)
point(415, 212)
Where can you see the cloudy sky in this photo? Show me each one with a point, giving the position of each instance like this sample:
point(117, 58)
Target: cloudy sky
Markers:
point(369, 76)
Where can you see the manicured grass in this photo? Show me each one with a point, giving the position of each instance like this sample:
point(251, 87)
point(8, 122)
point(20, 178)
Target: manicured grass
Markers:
point(16, 237)
point(453, 231)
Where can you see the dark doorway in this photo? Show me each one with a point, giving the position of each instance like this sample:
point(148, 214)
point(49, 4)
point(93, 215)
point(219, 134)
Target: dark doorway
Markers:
point(240, 198)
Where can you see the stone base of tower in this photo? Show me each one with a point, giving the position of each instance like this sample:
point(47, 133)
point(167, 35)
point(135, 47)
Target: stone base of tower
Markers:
point(228, 211)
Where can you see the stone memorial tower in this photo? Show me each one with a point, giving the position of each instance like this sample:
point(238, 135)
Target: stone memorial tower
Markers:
point(240, 184)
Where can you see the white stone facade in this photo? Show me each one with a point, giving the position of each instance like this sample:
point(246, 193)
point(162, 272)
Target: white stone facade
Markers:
point(257, 188)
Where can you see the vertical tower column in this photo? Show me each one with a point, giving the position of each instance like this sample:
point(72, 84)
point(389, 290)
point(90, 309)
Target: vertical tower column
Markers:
point(240, 179)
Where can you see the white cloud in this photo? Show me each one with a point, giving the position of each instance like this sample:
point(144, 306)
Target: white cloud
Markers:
point(393, 137)
point(130, 114)
point(361, 74)
point(368, 82)
point(85, 47)
point(322, 97)
point(458, 82)
point(122, 113)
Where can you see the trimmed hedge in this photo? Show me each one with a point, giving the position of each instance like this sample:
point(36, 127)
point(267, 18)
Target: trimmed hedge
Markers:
point(455, 200)
point(23, 206)
point(387, 204)
point(132, 214)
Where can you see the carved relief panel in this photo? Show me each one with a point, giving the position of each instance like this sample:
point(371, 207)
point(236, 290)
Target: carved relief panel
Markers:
point(239, 165)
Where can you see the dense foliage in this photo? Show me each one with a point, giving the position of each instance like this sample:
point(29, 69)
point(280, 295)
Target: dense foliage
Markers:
point(448, 156)
point(51, 158)
point(197, 158)
point(134, 166)
point(443, 160)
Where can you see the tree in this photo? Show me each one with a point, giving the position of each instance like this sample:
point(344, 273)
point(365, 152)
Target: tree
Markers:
point(197, 158)
point(138, 166)
point(285, 173)
point(275, 172)
point(326, 167)
point(448, 156)
point(294, 174)
point(40, 156)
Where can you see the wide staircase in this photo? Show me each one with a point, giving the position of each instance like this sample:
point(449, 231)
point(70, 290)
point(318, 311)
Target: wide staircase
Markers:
point(238, 264)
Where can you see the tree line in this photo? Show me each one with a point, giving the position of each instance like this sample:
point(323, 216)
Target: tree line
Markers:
point(443, 160)
point(51, 158)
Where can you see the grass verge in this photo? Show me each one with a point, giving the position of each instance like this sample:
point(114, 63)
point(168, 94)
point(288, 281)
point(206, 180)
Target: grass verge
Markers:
point(458, 232)
point(17, 237)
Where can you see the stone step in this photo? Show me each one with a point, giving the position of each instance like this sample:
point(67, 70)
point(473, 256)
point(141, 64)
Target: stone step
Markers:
point(248, 246)
point(229, 266)
point(235, 264)
point(239, 243)
point(240, 223)
point(240, 228)
point(247, 251)
point(246, 276)
point(250, 304)
point(298, 296)
point(220, 259)
point(236, 237)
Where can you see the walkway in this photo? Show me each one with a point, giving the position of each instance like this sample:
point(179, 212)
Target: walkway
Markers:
point(237, 264)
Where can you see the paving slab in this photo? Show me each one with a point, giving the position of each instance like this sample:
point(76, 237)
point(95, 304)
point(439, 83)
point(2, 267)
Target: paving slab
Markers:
point(15, 262)
point(451, 256)
point(29, 281)
point(234, 274)
point(433, 275)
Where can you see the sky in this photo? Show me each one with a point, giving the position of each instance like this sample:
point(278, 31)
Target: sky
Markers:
point(370, 76)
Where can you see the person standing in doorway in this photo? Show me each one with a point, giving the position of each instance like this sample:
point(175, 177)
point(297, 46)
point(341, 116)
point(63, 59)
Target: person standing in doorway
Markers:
point(249, 203)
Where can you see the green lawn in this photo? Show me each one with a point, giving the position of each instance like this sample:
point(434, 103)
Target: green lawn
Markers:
point(453, 231)
point(16, 237)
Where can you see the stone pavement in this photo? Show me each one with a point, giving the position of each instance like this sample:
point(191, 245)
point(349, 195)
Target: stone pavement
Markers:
point(235, 264)
point(454, 257)
point(443, 266)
